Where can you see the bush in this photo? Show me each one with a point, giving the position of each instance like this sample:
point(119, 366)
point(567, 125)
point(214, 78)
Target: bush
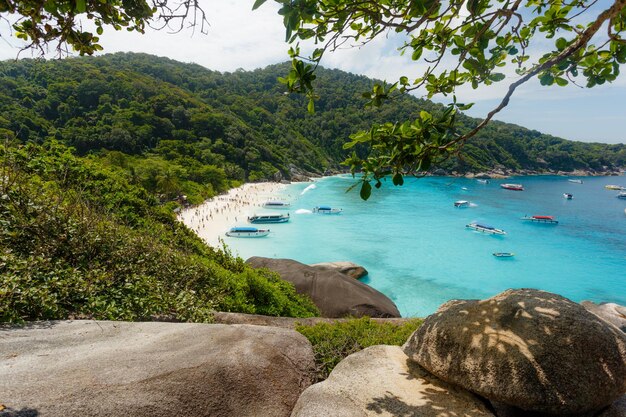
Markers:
point(67, 252)
point(333, 342)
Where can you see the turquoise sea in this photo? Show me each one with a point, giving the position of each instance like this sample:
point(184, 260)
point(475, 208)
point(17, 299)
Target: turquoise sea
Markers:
point(414, 243)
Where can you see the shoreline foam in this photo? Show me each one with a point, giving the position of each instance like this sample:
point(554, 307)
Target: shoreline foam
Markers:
point(211, 219)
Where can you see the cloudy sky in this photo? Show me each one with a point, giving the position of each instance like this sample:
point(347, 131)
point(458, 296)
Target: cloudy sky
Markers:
point(240, 38)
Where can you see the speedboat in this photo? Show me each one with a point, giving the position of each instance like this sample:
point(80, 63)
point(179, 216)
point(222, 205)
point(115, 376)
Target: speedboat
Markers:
point(485, 229)
point(621, 195)
point(483, 181)
point(503, 254)
point(269, 218)
point(541, 219)
point(514, 187)
point(462, 203)
point(614, 187)
point(326, 210)
point(247, 232)
point(575, 181)
point(568, 196)
point(276, 205)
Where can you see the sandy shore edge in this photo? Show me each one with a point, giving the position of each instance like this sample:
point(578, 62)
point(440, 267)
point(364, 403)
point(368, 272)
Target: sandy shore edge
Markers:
point(211, 219)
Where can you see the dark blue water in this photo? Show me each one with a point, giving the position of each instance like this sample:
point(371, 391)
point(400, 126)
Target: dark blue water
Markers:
point(415, 245)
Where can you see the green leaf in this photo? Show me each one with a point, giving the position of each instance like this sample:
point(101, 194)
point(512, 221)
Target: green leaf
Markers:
point(398, 179)
point(366, 190)
point(311, 106)
point(561, 44)
point(258, 4)
point(562, 82)
point(81, 6)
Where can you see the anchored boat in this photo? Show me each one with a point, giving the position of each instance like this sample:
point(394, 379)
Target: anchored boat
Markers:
point(326, 210)
point(269, 218)
point(541, 219)
point(503, 254)
point(483, 181)
point(575, 181)
point(462, 203)
point(621, 195)
point(247, 232)
point(568, 196)
point(614, 187)
point(514, 187)
point(276, 205)
point(485, 229)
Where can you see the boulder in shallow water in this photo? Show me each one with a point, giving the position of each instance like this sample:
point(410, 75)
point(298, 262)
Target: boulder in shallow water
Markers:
point(111, 369)
point(529, 349)
point(348, 268)
point(381, 381)
point(335, 294)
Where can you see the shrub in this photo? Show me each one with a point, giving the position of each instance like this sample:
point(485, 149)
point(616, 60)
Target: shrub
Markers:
point(333, 342)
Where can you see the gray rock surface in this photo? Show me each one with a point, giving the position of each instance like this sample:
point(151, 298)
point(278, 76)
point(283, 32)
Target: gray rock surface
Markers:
point(120, 369)
point(348, 268)
point(530, 349)
point(381, 381)
point(335, 294)
point(610, 312)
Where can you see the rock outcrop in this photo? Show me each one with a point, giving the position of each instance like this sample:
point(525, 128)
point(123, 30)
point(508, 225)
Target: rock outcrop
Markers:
point(348, 268)
point(335, 294)
point(89, 369)
point(380, 381)
point(525, 350)
point(609, 312)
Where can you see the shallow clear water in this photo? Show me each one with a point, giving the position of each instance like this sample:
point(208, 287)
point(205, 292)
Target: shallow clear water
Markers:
point(414, 243)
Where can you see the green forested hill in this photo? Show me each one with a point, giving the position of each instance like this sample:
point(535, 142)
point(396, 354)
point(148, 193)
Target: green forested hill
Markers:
point(180, 128)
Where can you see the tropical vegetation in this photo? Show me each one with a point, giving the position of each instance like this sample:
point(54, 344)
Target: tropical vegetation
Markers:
point(98, 153)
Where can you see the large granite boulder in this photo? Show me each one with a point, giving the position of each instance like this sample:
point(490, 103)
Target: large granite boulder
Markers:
point(609, 312)
point(381, 381)
point(90, 368)
point(348, 268)
point(335, 294)
point(525, 350)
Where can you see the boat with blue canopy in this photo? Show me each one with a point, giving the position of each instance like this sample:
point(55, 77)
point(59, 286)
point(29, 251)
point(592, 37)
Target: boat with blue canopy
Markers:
point(247, 232)
point(269, 218)
point(326, 210)
point(276, 205)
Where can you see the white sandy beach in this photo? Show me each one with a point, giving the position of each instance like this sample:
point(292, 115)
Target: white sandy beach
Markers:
point(211, 219)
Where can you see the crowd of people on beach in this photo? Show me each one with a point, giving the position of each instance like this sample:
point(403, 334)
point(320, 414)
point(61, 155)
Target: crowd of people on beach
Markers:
point(213, 217)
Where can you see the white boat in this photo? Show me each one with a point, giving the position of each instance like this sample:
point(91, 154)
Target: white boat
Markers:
point(575, 181)
point(514, 187)
point(568, 196)
point(326, 210)
point(503, 254)
point(483, 181)
point(541, 219)
point(462, 203)
point(614, 187)
point(247, 232)
point(485, 229)
point(622, 195)
point(269, 218)
point(276, 205)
